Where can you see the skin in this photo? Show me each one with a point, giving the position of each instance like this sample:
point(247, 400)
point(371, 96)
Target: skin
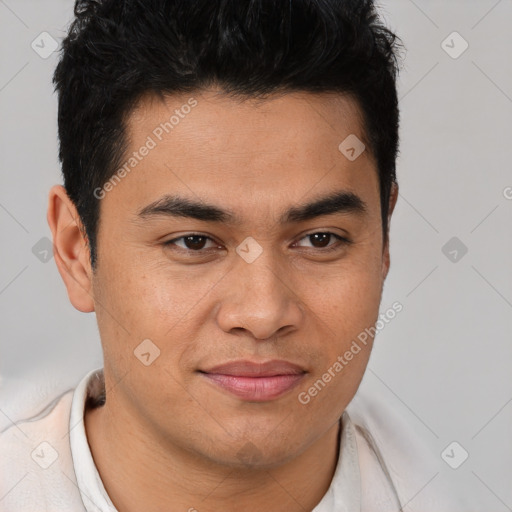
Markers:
point(167, 437)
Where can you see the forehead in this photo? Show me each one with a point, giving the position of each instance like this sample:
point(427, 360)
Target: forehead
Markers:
point(208, 114)
point(237, 150)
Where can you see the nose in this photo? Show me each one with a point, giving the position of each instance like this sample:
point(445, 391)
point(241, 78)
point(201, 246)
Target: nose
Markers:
point(259, 298)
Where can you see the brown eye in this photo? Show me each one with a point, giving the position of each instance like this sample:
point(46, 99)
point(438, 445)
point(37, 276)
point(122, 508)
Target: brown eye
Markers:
point(322, 239)
point(192, 242)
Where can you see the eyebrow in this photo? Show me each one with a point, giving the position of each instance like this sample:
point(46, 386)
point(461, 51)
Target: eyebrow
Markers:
point(176, 206)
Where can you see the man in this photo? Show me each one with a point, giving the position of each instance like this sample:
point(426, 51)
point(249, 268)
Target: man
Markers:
point(229, 179)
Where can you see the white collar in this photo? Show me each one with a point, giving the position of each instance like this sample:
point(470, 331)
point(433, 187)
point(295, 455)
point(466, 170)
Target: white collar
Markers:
point(94, 495)
point(343, 495)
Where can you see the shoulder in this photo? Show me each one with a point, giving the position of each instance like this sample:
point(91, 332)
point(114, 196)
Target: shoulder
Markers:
point(393, 451)
point(37, 468)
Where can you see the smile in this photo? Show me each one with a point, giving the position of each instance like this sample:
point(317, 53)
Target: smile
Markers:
point(256, 382)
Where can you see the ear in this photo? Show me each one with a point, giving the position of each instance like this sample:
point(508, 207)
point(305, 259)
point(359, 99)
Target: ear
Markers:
point(393, 196)
point(70, 249)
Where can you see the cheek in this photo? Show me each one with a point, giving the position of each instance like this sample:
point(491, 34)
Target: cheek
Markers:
point(346, 308)
point(148, 298)
point(160, 304)
point(348, 299)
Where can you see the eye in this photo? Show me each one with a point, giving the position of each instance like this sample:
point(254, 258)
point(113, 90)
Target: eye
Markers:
point(197, 243)
point(194, 242)
point(322, 239)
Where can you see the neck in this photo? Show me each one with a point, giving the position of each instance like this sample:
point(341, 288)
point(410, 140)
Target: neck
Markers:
point(148, 476)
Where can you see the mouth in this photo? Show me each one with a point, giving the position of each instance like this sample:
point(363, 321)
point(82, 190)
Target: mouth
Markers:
point(253, 381)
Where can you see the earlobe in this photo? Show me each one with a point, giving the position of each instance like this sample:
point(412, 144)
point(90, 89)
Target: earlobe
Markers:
point(70, 249)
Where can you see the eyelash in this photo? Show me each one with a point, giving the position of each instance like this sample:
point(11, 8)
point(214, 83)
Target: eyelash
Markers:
point(342, 241)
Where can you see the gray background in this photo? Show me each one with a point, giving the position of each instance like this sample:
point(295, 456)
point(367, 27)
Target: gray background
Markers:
point(444, 362)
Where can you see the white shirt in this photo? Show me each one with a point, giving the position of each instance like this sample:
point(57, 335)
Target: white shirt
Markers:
point(47, 464)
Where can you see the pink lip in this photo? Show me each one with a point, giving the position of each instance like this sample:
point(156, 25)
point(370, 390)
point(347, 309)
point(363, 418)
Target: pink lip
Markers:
point(256, 382)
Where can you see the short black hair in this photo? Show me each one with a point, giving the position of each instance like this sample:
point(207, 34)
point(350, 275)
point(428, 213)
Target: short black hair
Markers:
point(116, 51)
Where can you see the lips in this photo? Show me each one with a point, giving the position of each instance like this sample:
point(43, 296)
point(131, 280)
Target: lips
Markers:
point(254, 381)
point(245, 368)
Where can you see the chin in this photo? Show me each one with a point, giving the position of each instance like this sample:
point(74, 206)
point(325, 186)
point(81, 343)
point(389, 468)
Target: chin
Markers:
point(255, 452)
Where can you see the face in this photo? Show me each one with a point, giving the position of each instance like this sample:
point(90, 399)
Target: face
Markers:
point(208, 251)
